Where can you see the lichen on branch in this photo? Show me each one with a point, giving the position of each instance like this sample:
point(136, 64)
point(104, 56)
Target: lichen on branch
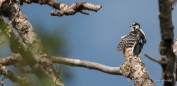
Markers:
point(74, 8)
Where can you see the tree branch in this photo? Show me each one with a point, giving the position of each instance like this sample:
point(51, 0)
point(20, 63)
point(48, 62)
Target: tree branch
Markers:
point(73, 9)
point(21, 80)
point(11, 60)
point(65, 9)
point(166, 43)
point(135, 69)
point(152, 58)
point(15, 43)
point(31, 49)
point(86, 64)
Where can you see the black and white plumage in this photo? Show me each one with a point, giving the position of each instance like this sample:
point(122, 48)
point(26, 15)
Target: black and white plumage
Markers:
point(135, 40)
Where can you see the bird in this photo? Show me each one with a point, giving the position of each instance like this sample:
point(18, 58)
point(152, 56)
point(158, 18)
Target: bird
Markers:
point(135, 40)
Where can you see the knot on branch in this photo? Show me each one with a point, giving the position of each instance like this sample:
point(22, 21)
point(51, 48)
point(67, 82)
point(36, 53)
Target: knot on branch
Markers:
point(125, 68)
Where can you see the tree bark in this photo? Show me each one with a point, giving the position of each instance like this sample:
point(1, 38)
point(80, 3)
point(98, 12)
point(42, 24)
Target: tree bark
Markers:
point(168, 57)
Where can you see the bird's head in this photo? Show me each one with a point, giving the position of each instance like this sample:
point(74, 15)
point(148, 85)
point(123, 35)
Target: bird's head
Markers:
point(135, 26)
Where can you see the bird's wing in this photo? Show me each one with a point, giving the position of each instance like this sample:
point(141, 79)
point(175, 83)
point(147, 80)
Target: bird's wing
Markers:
point(127, 41)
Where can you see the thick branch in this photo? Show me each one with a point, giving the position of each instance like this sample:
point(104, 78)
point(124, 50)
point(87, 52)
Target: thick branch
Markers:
point(32, 50)
point(15, 43)
point(166, 43)
point(86, 64)
point(134, 69)
point(14, 78)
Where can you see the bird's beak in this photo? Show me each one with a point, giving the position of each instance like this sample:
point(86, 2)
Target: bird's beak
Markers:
point(130, 26)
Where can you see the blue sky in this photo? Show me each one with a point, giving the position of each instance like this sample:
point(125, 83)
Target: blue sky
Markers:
point(95, 37)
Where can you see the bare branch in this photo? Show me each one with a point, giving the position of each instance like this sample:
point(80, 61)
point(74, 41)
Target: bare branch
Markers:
point(86, 64)
point(11, 60)
point(65, 9)
point(74, 8)
point(21, 80)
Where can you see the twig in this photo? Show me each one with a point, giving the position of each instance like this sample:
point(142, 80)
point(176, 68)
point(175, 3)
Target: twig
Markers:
point(152, 58)
point(21, 80)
